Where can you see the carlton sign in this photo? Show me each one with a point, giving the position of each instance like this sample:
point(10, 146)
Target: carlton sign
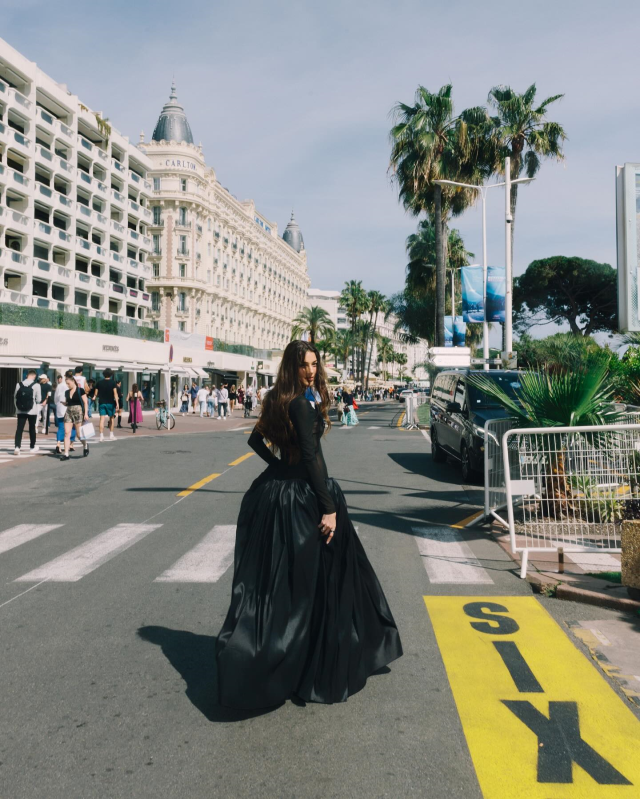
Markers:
point(181, 163)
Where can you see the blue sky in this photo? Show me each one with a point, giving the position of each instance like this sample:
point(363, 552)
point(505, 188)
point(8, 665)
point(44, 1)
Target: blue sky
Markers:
point(291, 102)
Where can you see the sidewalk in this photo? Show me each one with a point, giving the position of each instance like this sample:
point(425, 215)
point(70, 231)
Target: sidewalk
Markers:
point(574, 583)
point(189, 424)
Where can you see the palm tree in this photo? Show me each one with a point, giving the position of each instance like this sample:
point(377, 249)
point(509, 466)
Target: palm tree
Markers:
point(385, 351)
point(377, 304)
point(315, 320)
point(524, 134)
point(342, 346)
point(401, 360)
point(430, 143)
point(353, 299)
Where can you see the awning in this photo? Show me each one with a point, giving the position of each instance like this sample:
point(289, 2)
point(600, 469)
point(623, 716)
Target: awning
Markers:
point(56, 363)
point(15, 362)
point(147, 367)
point(178, 370)
point(198, 371)
point(99, 366)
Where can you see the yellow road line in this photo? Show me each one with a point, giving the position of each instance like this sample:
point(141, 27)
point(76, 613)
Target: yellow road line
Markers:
point(241, 458)
point(198, 485)
point(400, 420)
point(539, 720)
point(465, 522)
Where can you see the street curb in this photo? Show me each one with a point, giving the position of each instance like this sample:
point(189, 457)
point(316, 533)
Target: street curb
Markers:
point(596, 598)
point(552, 586)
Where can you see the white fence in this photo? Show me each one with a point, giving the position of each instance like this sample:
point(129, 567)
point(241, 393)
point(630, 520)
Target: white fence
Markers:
point(495, 492)
point(568, 487)
point(410, 412)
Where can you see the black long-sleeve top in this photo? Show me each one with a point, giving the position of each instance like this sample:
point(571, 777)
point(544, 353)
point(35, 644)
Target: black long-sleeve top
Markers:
point(309, 425)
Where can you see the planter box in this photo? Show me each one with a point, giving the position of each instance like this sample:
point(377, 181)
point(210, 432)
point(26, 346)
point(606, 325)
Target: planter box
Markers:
point(631, 555)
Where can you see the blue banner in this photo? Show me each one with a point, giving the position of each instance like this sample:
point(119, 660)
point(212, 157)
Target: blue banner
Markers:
point(459, 332)
point(496, 289)
point(448, 331)
point(472, 294)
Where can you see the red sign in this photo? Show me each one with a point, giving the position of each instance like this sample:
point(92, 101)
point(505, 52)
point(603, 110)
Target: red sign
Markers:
point(166, 335)
point(208, 343)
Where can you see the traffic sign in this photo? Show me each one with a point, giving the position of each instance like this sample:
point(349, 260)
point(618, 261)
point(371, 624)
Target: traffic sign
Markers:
point(171, 354)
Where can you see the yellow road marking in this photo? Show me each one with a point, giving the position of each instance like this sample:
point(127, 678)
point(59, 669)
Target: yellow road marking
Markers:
point(400, 420)
point(241, 458)
point(465, 522)
point(539, 719)
point(198, 485)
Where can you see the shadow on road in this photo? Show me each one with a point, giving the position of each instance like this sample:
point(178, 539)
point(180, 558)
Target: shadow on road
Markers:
point(193, 656)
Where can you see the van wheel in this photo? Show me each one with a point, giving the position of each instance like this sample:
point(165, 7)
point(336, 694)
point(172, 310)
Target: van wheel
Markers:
point(468, 473)
point(437, 453)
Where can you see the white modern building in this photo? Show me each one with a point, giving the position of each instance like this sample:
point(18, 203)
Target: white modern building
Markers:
point(130, 256)
point(330, 302)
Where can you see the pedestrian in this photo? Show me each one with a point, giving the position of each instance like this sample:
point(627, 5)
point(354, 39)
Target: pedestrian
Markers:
point(262, 394)
point(108, 402)
point(61, 409)
point(248, 403)
point(90, 391)
point(240, 397)
point(223, 401)
point(194, 395)
point(340, 409)
point(184, 398)
point(211, 402)
point(233, 398)
point(134, 398)
point(308, 617)
point(349, 418)
point(77, 411)
point(120, 402)
point(46, 390)
point(81, 380)
point(202, 395)
point(27, 399)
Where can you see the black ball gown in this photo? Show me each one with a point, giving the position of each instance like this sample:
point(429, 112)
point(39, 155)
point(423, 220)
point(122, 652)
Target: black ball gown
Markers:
point(307, 618)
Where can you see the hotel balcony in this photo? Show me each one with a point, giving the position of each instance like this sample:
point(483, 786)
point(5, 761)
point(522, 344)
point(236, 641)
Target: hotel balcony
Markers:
point(182, 253)
point(15, 98)
point(14, 220)
point(14, 297)
point(118, 198)
point(117, 291)
point(117, 228)
point(63, 167)
point(17, 177)
point(86, 145)
point(14, 261)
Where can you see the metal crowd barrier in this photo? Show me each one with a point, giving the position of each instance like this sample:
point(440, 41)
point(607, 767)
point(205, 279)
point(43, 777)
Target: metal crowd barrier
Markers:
point(569, 488)
point(495, 493)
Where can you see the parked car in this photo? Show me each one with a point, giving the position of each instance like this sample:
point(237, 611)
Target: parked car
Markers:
point(458, 415)
point(408, 392)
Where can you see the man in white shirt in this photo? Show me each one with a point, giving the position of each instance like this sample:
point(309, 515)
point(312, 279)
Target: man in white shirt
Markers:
point(28, 398)
point(223, 399)
point(80, 379)
point(202, 395)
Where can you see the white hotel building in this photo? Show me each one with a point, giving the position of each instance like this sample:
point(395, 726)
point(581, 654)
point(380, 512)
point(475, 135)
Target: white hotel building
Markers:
point(110, 252)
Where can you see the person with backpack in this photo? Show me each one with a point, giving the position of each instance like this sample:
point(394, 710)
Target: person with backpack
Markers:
point(28, 399)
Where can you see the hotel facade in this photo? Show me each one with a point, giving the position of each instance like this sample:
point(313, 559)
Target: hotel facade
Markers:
point(130, 256)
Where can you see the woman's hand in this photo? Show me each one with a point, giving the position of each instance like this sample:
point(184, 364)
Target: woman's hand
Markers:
point(86, 417)
point(328, 525)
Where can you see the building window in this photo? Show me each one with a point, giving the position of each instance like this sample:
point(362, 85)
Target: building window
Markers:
point(183, 270)
point(182, 327)
point(155, 301)
point(183, 184)
point(183, 245)
point(182, 216)
point(182, 301)
point(157, 215)
point(156, 184)
point(209, 223)
point(156, 270)
point(156, 243)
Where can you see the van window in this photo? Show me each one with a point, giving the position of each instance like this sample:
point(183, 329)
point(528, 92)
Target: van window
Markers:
point(460, 394)
point(443, 387)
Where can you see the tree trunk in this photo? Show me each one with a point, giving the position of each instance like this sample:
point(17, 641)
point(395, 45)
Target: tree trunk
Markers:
point(440, 269)
point(373, 337)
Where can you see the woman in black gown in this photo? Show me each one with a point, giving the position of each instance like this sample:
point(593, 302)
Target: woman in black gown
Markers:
point(308, 617)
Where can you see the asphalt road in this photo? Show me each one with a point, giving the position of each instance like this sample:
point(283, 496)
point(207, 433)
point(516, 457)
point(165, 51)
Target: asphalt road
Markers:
point(108, 673)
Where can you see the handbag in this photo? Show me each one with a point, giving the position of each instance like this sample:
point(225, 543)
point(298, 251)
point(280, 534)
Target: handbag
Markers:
point(355, 406)
point(87, 430)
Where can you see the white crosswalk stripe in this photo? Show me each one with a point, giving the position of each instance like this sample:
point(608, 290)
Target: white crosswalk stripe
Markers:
point(447, 557)
point(207, 561)
point(46, 447)
point(10, 539)
point(85, 558)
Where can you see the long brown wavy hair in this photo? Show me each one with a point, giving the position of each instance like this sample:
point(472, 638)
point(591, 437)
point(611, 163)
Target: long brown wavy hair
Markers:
point(274, 423)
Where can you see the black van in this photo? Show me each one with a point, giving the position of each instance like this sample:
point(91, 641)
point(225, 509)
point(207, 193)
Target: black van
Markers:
point(458, 414)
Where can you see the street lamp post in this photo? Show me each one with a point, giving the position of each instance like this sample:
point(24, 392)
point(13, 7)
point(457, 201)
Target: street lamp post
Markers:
point(508, 293)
